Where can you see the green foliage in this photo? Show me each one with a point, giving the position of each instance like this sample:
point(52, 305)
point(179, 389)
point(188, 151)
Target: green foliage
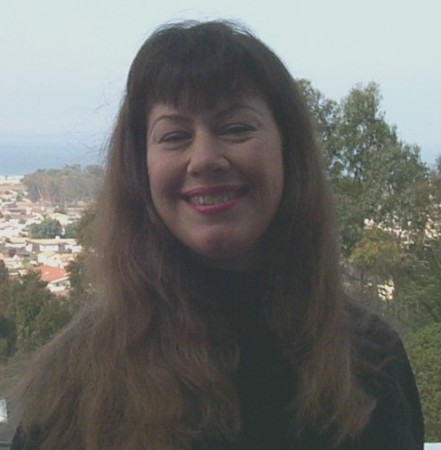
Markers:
point(380, 180)
point(81, 289)
point(419, 282)
point(33, 314)
point(423, 347)
point(70, 231)
point(381, 176)
point(8, 337)
point(30, 315)
point(434, 189)
point(10, 373)
point(47, 229)
point(51, 228)
point(65, 186)
point(84, 227)
point(375, 176)
point(376, 251)
point(3, 273)
point(81, 270)
point(325, 113)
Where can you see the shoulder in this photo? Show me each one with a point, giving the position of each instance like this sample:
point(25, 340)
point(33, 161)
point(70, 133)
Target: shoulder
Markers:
point(384, 373)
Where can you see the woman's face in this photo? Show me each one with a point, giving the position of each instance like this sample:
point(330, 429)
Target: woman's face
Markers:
point(216, 176)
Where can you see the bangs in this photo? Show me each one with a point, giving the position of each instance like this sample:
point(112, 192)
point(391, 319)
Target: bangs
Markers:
point(198, 67)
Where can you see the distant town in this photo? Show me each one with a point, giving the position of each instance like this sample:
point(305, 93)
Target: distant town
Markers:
point(20, 252)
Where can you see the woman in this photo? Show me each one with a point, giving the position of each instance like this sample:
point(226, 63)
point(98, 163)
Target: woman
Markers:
point(220, 320)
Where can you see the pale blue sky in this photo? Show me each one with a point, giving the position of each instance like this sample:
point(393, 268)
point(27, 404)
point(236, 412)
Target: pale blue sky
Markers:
point(64, 63)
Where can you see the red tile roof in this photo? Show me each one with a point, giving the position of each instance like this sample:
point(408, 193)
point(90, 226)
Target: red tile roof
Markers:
point(49, 274)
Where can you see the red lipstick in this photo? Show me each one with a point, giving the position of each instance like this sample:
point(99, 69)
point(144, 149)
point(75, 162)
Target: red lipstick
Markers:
point(213, 200)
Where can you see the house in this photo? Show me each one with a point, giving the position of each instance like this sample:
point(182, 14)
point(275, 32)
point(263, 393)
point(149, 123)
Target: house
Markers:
point(54, 259)
point(12, 263)
point(57, 278)
point(13, 246)
point(56, 245)
point(64, 219)
point(10, 230)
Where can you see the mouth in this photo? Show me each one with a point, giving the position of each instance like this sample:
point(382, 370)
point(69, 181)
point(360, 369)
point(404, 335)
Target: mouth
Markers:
point(212, 197)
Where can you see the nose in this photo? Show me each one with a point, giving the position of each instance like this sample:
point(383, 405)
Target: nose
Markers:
point(207, 155)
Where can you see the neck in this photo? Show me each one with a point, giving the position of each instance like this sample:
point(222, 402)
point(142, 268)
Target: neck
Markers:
point(250, 262)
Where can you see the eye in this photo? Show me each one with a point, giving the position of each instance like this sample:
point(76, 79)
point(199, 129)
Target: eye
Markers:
point(236, 129)
point(175, 137)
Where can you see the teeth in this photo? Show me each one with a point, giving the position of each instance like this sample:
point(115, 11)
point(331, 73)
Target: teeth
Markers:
point(212, 199)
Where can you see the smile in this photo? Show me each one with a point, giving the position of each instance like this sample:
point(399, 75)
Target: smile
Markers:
point(213, 200)
point(216, 199)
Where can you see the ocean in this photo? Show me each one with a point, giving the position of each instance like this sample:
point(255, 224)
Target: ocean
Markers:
point(22, 155)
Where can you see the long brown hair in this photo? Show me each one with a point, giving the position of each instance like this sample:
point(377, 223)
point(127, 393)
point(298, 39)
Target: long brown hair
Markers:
point(138, 367)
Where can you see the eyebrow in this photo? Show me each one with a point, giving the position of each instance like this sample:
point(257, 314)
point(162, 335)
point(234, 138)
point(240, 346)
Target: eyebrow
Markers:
point(171, 116)
point(237, 107)
point(219, 114)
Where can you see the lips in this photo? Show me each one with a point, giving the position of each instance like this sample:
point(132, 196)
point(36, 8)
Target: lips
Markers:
point(213, 200)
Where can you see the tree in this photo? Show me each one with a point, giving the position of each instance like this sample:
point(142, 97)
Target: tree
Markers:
point(383, 184)
point(375, 261)
point(377, 252)
point(325, 113)
point(70, 230)
point(385, 200)
point(434, 187)
point(419, 283)
point(64, 186)
point(8, 335)
point(375, 176)
point(84, 227)
point(47, 229)
point(3, 273)
point(35, 312)
point(81, 289)
point(381, 178)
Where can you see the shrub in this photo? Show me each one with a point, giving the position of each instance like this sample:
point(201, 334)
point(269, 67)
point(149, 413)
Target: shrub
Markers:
point(423, 347)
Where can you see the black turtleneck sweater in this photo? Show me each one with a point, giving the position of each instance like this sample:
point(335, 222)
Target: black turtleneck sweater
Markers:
point(264, 381)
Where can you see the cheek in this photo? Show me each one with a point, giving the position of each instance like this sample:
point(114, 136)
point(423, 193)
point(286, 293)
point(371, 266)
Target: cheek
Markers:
point(164, 181)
